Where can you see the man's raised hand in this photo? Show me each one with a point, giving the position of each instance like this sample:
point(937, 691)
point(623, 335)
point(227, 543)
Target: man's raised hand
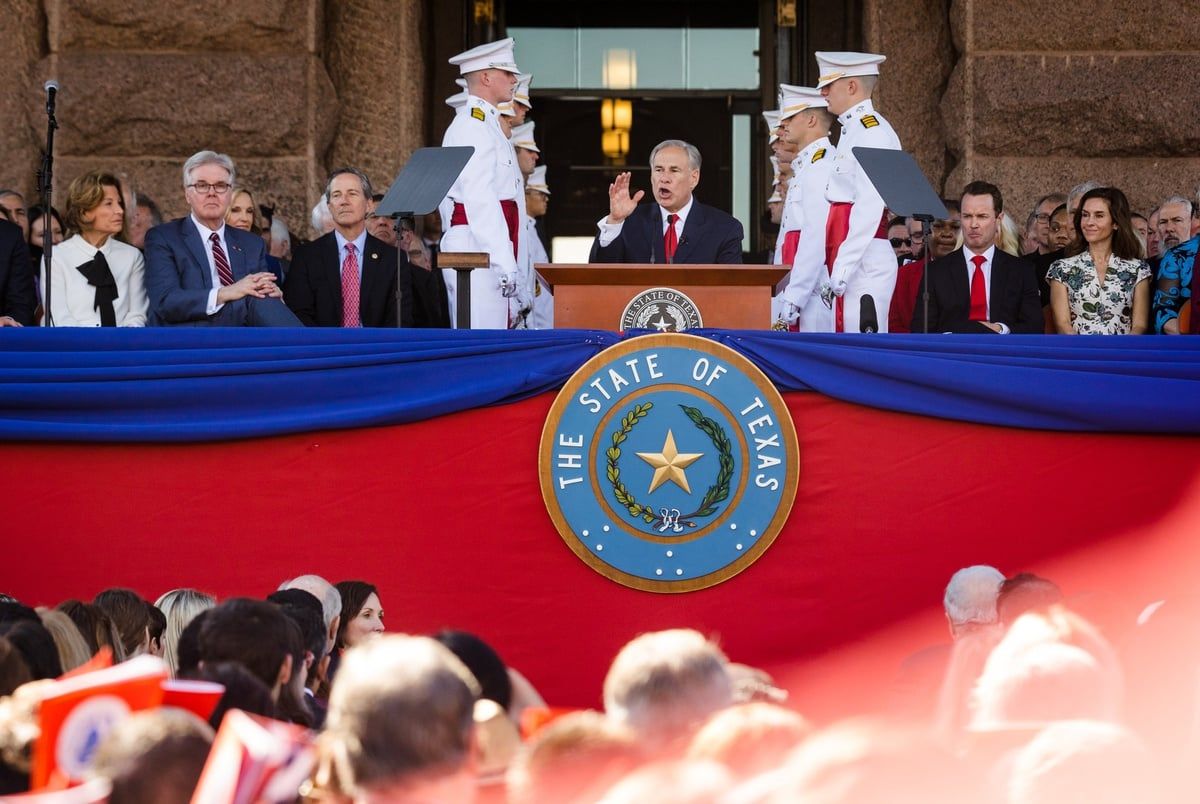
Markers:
point(620, 204)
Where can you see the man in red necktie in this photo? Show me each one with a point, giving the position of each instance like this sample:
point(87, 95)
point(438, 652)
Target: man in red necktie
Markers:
point(348, 278)
point(979, 288)
point(674, 229)
point(200, 272)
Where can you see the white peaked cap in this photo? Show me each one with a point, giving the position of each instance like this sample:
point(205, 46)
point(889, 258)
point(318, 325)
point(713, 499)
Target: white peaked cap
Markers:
point(537, 180)
point(775, 196)
point(835, 65)
point(793, 100)
point(507, 109)
point(522, 137)
point(521, 93)
point(492, 56)
point(458, 100)
point(772, 118)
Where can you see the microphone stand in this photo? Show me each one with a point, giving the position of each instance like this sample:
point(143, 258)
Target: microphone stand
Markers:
point(925, 227)
point(45, 188)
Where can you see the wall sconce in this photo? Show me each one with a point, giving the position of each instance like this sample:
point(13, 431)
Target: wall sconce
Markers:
point(615, 144)
point(616, 119)
point(619, 70)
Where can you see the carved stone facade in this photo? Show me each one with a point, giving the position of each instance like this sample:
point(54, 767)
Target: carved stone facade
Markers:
point(1039, 97)
point(288, 88)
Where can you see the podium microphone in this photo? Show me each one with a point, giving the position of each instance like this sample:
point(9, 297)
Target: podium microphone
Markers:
point(51, 88)
point(867, 320)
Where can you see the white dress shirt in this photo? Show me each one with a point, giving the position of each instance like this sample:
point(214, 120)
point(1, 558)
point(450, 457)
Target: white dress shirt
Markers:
point(205, 233)
point(73, 298)
point(609, 231)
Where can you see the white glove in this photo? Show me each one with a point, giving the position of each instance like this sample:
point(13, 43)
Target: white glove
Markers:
point(508, 285)
point(788, 314)
point(518, 312)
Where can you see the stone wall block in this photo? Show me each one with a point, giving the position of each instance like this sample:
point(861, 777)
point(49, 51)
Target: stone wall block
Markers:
point(1105, 26)
point(1074, 106)
point(1146, 181)
point(137, 104)
point(20, 92)
point(953, 111)
point(262, 26)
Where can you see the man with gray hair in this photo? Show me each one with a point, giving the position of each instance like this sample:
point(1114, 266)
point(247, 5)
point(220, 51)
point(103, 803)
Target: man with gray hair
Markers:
point(970, 599)
point(331, 602)
point(401, 723)
point(200, 272)
point(665, 684)
point(675, 228)
point(1174, 222)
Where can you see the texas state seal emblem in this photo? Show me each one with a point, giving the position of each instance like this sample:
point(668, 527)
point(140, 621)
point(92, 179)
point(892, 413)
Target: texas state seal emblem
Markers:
point(669, 463)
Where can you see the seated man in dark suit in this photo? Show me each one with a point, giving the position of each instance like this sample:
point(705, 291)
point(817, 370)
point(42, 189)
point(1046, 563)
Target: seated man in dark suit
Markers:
point(17, 298)
point(979, 288)
point(349, 277)
point(202, 273)
point(676, 227)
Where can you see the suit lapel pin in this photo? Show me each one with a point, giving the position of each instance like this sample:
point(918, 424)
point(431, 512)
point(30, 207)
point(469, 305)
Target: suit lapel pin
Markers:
point(374, 256)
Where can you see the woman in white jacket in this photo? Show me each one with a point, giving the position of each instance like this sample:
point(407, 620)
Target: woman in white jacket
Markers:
point(95, 279)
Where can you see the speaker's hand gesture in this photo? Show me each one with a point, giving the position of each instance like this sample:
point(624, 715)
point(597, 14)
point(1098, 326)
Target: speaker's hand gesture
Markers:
point(620, 204)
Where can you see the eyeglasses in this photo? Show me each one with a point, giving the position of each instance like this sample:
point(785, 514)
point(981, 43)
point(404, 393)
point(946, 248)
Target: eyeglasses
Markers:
point(204, 188)
point(897, 242)
point(1043, 217)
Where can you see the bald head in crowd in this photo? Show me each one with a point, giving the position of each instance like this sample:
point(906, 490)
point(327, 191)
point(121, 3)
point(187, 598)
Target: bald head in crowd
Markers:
point(970, 599)
point(663, 685)
point(383, 688)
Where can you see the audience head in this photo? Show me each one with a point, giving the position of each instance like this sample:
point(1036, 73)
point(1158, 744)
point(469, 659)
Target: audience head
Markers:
point(982, 205)
point(242, 213)
point(381, 227)
point(72, 647)
point(208, 179)
point(1008, 236)
point(1029, 234)
point(305, 611)
point(674, 173)
point(362, 613)
point(253, 632)
point(484, 663)
point(970, 598)
point(1103, 220)
point(1153, 245)
point(35, 644)
point(95, 206)
point(13, 204)
point(156, 755)
point(663, 685)
point(37, 224)
point(243, 690)
point(1084, 760)
point(945, 235)
point(1043, 210)
point(321, 219)
point(348, 194)
point(899, 238)
point(672, 781)
point(281, 239)
point(1076, 194)
point(331, 602)
point(180, 607)
point(14, 670)
point(131, 617)
point(187, 649)
point(1025, 592)
point(146, 216)
point(97, 627)
point(383, 687)
point(750, 738)
point(1174, 222)
point(1061, 233)
point(575, 758)
point(1141, 228)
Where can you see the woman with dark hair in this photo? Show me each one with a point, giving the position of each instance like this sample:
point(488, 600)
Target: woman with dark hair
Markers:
point(96, 627)
point(1102, 287)
point(96, 280)
point(131, 615)
point(362, 613)
point(37, 226)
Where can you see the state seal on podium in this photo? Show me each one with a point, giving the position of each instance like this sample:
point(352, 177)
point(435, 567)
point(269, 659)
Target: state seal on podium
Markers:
point(669, 463)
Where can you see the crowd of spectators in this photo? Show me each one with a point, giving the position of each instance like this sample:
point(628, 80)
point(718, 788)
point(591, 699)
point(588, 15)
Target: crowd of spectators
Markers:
point(1028, 700)
point(1101, 266)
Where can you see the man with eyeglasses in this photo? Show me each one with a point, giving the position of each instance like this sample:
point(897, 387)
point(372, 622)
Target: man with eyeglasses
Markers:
point(200, 272)
point(1043, 209)
point(943, 239)
point(901, 242)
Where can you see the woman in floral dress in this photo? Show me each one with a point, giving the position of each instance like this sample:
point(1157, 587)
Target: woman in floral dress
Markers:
point(1103, 285)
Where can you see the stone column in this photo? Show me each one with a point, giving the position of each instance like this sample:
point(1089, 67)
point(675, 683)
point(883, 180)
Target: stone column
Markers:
point(21, 23)
point(145, 85)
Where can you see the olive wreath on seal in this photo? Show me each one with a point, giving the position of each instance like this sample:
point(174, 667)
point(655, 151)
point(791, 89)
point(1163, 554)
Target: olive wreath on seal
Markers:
point(717, 493)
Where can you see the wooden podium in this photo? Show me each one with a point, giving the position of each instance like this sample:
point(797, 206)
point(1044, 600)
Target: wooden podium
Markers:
point(618, 297)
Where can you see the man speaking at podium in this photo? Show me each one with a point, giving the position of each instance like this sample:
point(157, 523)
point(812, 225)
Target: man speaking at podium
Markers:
point(676, 228)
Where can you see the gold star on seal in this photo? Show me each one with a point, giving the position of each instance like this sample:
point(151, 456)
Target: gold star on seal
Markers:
point(670, 463)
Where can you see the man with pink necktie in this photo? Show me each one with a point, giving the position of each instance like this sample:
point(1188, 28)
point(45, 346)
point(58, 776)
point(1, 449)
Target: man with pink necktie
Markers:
point(348, 278)
point(202, 273)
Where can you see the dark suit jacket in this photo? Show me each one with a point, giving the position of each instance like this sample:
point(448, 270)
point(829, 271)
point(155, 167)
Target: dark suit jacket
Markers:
point(709, 236)
point(178, 279)
point(17, 297)
point(314, 286)
point(1014, 296)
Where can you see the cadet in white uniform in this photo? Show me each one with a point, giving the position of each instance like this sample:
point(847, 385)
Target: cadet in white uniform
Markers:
point(485, 205)
point(858, 253)
point(527, 154)
point(805, 123)
point(537, 196)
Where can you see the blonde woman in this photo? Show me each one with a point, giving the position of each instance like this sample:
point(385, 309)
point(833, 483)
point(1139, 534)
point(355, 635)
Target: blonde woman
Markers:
point(72, 647)
point(180, 607)
point(241, 214)
point(95, 279)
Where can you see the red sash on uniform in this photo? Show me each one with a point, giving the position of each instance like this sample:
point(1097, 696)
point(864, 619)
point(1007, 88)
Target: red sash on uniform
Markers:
point(508, 207)
point(791, 241)
point(837, 226)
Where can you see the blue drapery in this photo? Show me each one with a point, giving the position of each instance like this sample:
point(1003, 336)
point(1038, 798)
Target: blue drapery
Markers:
point(212, 384)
